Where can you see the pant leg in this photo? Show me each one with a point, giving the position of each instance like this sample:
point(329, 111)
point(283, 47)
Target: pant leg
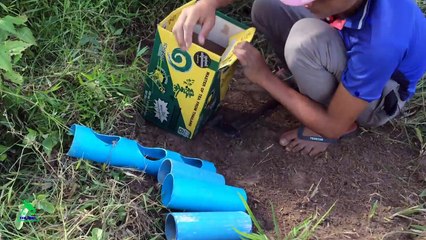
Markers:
point(383, 110)
point(316, 55)
point(275, 19)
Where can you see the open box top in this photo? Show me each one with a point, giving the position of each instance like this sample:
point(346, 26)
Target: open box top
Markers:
point(222, 39)
point(183, 89)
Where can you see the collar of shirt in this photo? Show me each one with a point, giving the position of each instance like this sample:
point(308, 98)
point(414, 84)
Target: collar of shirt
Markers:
point(356, 21)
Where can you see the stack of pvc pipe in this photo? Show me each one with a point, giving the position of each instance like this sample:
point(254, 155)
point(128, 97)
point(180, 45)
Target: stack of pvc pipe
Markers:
point(203, 206)
point(212, 209)
point(123, 152)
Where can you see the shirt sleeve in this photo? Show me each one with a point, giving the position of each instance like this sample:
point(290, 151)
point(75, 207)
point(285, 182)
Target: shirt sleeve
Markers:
point(368, 70)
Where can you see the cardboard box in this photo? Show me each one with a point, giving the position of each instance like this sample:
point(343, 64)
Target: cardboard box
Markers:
point(184, 89)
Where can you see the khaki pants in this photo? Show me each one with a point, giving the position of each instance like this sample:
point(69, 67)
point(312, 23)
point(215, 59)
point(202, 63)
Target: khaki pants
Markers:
point(316, 56)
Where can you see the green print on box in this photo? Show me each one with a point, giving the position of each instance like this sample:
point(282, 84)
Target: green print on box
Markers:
point(183, 89)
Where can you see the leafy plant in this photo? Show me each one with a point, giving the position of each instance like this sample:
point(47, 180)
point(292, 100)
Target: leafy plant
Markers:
point(15, 38)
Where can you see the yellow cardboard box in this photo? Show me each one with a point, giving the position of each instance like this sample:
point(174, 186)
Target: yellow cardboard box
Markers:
point(184, 88)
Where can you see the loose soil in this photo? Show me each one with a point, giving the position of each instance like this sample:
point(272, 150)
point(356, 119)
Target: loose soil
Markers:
point(376, 165)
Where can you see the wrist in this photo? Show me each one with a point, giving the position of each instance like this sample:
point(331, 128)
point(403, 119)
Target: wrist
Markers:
point(263, 77)
point(214, 3)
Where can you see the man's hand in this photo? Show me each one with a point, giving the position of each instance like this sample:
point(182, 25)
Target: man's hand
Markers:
point(255, 68)
point(203, 12)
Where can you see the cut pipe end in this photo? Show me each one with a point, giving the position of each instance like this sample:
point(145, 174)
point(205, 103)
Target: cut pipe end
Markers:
point(171, 231)
point(72, 129)
point(167, 190)
point(195, 162)
point(165, 169)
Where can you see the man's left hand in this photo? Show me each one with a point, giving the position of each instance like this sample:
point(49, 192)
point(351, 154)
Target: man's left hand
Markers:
point(255, 68)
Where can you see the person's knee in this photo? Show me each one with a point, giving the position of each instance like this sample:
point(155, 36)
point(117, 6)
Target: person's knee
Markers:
point(305, 53)
point(261, 10)
point(305, 36)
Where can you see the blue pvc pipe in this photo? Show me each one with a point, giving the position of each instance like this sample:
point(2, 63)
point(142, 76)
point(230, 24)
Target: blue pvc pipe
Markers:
point(183, 193)
point(178, 168)
point(123, 152)
point(207, 225)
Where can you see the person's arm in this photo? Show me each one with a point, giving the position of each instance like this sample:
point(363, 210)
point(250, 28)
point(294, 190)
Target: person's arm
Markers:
point(332, 122)
point(220, 3)
point(203, 12)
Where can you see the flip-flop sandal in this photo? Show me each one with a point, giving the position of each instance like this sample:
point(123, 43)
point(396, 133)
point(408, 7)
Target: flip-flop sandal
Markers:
point(323, 139)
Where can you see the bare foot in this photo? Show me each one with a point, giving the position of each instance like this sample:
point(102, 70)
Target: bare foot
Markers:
point(292, 143)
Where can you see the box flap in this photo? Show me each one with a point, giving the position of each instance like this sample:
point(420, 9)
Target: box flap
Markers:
point(228, 57)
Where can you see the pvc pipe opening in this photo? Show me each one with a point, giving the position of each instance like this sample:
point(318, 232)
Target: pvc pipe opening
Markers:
point(107, 139)
point(74, 140)
point(82, 134)
point(167, 190)
point(165, 168)
point(72, 130)
point(192, 161)
point(171, 232)
point(152, 153)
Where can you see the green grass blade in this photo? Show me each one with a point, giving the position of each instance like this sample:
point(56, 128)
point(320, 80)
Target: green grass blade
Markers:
point(373, 210)
point(277, 230)
point(255, 222)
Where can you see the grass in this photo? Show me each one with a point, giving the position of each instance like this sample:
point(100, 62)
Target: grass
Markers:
point(415, 214)
point(87, 66)
point(82, 198)
point(415, 123)
point(304, 231)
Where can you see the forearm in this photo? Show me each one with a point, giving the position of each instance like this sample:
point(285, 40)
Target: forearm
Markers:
point(310, 113)
point(220, 3)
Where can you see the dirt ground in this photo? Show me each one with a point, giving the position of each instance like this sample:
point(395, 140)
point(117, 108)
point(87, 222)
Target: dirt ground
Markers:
point(376, 165)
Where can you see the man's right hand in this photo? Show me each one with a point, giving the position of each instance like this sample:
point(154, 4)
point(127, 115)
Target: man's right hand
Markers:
point(204, 13)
